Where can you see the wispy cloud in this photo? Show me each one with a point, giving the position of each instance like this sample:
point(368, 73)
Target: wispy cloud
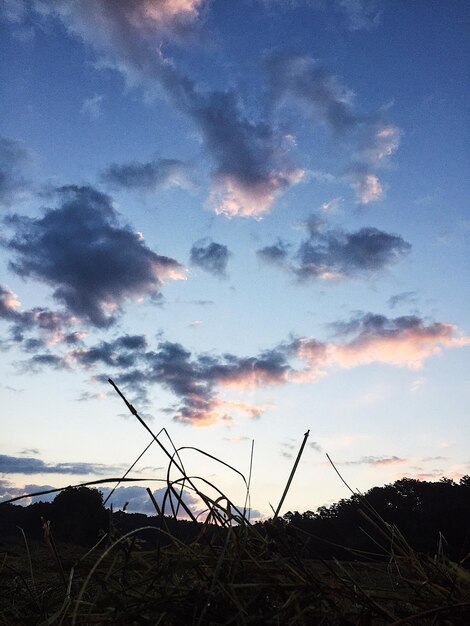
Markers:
point(15, 163)
point(378, 461)
point(405, 297)
point(302, 82)
point(148, 176)
point(103, 263)
point(92, 107)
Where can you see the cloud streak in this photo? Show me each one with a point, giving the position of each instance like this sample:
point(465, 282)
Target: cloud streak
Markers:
point(30, 465)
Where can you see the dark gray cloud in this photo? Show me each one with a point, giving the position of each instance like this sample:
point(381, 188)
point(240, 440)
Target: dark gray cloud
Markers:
point(32, 465)
point(42, 360)
point(314, 445)
point(123, 352)
point(277, 254)
point(15, 160)
point(366, 325)
point(334, 254)
point(194, 378)
point(93, 261)
point(147, 176)
point(210, 256)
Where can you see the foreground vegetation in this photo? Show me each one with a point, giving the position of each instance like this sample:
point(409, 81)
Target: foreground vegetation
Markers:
point(226, 570)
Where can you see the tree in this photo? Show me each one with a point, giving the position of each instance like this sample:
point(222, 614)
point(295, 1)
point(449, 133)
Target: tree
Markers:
point(78, 515)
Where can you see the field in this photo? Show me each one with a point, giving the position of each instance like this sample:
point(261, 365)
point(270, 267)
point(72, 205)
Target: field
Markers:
point(225, 571)
point(253, 577)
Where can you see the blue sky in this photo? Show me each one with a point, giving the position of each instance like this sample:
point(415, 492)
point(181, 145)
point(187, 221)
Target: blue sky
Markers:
point(254, 217)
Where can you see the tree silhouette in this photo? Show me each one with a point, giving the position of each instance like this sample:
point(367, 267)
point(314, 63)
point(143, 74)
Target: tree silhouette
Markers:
point(427, 514)
point(78, 515)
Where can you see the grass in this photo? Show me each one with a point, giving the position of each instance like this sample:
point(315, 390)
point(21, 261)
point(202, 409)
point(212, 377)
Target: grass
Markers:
point(235, 572)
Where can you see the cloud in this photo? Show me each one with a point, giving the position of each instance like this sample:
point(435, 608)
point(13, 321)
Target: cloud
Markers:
point(405, 297)
point(210, 256)
point(9, 303)
point(15, 160)
point(331, 206)
point(92, 107)
point(237, 438)
point(300, 81)
point(8, 491)
point(252, 167)
point(137, 500)
point(93, 261)
point(405, 341)
point(367, 185)
point(196, 381)
point(360, 14)
point(148, 176)
point(199, 380)
point(30, 465)
point(42, 360)
point(336, 254)
point(378, 461)
point(276, 254)
point(122, 352)
point(52, 326)
point(381, 141)
point(250, 157)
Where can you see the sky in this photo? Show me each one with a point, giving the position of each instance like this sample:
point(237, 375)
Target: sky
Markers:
point(252, 216)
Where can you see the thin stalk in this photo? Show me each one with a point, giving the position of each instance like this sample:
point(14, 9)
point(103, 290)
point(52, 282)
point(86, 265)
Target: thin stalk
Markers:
point(297, 460)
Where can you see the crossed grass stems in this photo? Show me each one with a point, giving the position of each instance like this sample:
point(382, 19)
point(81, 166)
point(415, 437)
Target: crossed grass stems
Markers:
point(236, 572)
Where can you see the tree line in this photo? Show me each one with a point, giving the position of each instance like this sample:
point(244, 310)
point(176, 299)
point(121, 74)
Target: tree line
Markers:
point(431, 516)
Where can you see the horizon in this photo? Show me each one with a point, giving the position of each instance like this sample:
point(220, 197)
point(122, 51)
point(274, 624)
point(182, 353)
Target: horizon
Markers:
point(254, 218)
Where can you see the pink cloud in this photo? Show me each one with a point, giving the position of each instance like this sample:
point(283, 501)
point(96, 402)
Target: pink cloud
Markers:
point(367, 187)
point(406, 342)
point(207, 412)
point(407, 347)
point(9, 303)
point(232, 198)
